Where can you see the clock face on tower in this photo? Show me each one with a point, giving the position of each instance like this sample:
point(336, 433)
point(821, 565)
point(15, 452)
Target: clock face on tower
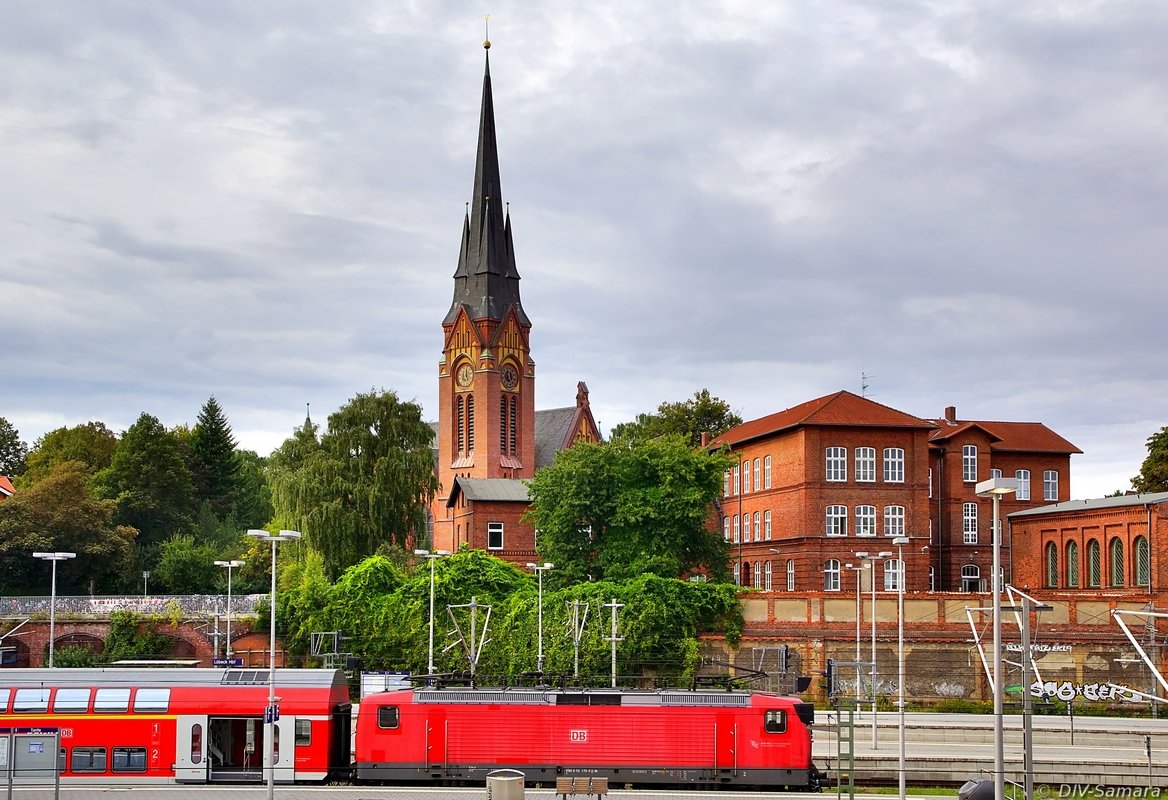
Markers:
point(509, 378)
point(465, 375)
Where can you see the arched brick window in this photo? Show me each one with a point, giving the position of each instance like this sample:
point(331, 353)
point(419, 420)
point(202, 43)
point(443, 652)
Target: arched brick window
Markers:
point(1115, 556)
point(1072, 564)
point(1143, 565)
point(1052, 570)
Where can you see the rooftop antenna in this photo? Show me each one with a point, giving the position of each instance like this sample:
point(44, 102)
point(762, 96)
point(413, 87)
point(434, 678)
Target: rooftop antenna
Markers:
point(864, 376)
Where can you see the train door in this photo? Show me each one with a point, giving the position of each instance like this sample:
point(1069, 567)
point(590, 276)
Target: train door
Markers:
point(725, 747)
point(283, 750)
point(190, 764)
point(435, 739)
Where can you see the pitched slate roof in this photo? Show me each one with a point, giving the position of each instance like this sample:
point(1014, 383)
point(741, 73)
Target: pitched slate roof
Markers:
point(1022, 437)
point(1122, 501)
point(840, 409)
point(498, 490)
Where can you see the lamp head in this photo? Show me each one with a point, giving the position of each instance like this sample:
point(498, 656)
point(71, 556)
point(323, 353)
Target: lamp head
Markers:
point(996, 486)
point(900, 540)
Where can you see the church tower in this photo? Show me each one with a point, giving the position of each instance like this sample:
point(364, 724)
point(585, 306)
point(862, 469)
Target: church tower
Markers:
point(486, 376)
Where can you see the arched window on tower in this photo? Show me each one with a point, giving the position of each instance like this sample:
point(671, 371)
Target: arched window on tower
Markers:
point(513, 441)
point(460, 423)
point(469, 422)
point(503, 423)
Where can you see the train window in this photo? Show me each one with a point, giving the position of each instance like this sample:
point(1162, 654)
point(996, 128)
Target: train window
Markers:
point(107, 700)
point(88, 759)
point(303, 732)
point(387, 717)
point(71, 700)
point(4, 694)
point(30, 701)
point(196, 743)
point(129, 759)
point(776, 722)
point(152, 700)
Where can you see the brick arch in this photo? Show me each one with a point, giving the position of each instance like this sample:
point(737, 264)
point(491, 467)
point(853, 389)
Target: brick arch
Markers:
point(93, 644)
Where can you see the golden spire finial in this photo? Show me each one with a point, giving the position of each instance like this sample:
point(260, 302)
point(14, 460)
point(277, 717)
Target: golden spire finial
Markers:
point(486, 31)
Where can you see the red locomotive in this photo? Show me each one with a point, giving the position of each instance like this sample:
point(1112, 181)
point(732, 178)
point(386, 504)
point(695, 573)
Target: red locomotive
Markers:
point(677, 738)
point(120, 725)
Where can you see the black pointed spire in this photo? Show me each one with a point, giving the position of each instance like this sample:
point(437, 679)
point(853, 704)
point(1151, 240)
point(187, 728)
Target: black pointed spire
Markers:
point(486, 280)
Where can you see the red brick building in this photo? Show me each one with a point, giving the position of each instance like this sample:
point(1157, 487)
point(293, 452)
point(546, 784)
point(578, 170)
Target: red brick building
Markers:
point(964, 452)
point(6, 489)
point(820, 482)
point(1111, 545)
point(490, 439)
point(841, 475)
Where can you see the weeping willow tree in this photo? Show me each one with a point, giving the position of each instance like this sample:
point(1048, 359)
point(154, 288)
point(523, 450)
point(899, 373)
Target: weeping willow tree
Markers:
point(365, 484)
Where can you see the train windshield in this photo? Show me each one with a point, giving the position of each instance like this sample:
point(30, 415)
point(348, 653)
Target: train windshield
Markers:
point(775, 721)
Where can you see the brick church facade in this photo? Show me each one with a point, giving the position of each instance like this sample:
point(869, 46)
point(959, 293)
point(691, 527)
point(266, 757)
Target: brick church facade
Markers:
point(490, 437)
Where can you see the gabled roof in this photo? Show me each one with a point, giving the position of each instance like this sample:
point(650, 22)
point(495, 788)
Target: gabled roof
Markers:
point(840, 409)
point(552, 426)
point(497, 490)
point(1019, 437)
point(1122, 501)
point(6, 489)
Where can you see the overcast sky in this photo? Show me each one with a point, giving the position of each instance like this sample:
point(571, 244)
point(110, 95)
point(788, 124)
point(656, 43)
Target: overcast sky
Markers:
point(965, 201)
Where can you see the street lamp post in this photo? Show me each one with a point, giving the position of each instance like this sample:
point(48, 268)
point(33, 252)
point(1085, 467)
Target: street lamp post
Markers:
point(539, 570)
point(859, 570)
point(53, 558)
point(270, 714)
point(900, 542)
point(432, 556)
point(145, 583)
point(229, 565)
point(995, 488)
point(872, 559)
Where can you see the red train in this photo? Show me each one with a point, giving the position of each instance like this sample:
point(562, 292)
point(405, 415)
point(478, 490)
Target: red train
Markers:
point(187, 725)
point(688, 738)
point(179, 725)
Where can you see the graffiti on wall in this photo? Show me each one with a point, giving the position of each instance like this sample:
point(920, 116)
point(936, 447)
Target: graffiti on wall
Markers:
point(1094, 692)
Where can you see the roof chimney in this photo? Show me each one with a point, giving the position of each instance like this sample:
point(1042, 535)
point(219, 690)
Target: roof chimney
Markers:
point(705, 438)
point(951, 414)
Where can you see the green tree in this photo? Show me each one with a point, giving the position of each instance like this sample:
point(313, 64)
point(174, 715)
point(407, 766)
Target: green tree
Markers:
point(368, 483)
point(13, 450)
point(185, 566)
point(702, 413)
point(616, 510)
point(213, 461)
point(151, 482)
point(1153, 475)
point(252, 501)
point(93, 444)
point(61, 512)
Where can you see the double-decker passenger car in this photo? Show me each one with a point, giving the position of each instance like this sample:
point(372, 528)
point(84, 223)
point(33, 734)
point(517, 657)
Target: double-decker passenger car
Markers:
point(183, 725)
point(677, 737)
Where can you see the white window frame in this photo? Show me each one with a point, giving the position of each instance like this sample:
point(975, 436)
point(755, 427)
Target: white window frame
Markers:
point(737, 481)
point(894, 520)
point(757, 526)
point(768, 577)
point(766, 472)
point(894, 465)
point(865, 464)
point(836, 464)
point(746, 476)
point(865, 520)
point(892, 575)
point(995, 473)
point(726, 528)
point(737, 534)
point(969, 523)
point(1050, 485)
point(969, 463)
point(737, 574)
point(766, 524)
point(726, 484)
point(831, 575)
point(758, 474)
point(1023, 478)
point(757, 574)
point(790, 574)
point(837, 520)
point(495, 529)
